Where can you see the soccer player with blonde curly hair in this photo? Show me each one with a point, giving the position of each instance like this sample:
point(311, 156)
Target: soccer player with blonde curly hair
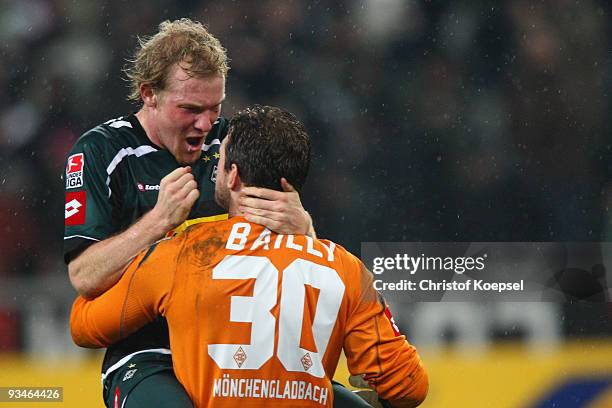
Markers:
point(132, 180)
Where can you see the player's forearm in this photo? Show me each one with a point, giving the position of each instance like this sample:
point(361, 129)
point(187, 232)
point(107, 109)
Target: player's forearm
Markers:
point(404, 384)
point(81, 329)
point(117, 313)
point(101, 265)
point(417, 390)
point(375, 348)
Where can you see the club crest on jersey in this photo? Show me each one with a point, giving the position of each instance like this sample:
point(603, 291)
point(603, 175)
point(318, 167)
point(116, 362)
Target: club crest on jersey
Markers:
point(74, 171)
point(74, 210)
point(240, 357)
point(129, 374)
point(213, 174)
point(306, 361)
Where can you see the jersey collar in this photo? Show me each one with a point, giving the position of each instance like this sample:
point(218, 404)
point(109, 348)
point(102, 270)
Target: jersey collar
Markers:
point(140, 132)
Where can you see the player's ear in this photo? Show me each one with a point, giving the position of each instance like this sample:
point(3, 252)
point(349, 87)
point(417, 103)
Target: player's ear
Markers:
point(148, 95)
point(233, 178)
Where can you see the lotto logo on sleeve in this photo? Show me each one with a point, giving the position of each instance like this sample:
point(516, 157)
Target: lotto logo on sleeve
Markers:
point(74, 213)
point(74, 171)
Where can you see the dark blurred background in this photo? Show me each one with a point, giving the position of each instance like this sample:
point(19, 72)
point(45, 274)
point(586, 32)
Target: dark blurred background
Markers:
point(434, 121)
point(431, 120)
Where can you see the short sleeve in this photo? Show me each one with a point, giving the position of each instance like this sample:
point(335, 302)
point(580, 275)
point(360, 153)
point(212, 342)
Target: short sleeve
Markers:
point(88, 206)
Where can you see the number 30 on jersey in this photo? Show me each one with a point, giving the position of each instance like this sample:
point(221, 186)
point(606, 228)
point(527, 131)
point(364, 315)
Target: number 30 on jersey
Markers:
point(256, 310)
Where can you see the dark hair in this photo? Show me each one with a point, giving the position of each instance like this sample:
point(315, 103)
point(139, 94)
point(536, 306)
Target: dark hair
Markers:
point(267, 143)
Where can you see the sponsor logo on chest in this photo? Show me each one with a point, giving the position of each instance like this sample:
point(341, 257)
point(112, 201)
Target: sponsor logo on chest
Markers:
point(147, 187)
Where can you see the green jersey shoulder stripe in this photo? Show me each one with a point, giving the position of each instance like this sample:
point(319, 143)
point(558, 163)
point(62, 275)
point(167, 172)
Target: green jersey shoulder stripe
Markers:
point(121, 154)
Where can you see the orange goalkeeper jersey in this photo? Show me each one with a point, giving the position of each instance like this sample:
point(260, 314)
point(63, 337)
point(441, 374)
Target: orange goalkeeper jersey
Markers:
point(257, 318)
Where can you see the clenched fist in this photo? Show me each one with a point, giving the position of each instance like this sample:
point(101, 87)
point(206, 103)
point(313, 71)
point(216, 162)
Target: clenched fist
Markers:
point(178, 191)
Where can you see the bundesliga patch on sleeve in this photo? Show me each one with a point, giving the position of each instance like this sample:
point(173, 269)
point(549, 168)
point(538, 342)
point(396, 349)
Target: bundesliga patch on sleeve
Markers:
point(74, 171)
point(74, 212)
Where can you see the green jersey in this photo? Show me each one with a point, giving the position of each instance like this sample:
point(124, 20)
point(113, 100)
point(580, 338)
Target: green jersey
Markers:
point(112, 179)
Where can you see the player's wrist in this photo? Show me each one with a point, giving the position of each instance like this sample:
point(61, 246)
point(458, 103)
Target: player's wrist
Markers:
point(155, 224)
point(310, 231)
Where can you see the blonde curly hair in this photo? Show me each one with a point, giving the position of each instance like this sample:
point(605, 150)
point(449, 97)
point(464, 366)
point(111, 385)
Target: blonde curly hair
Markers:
point(184, 42)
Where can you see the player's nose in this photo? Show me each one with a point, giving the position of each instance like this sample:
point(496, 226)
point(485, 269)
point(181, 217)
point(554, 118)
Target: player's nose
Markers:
point(204, 122)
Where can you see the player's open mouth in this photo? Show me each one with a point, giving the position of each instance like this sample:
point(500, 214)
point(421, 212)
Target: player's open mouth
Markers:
point(194, 143)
